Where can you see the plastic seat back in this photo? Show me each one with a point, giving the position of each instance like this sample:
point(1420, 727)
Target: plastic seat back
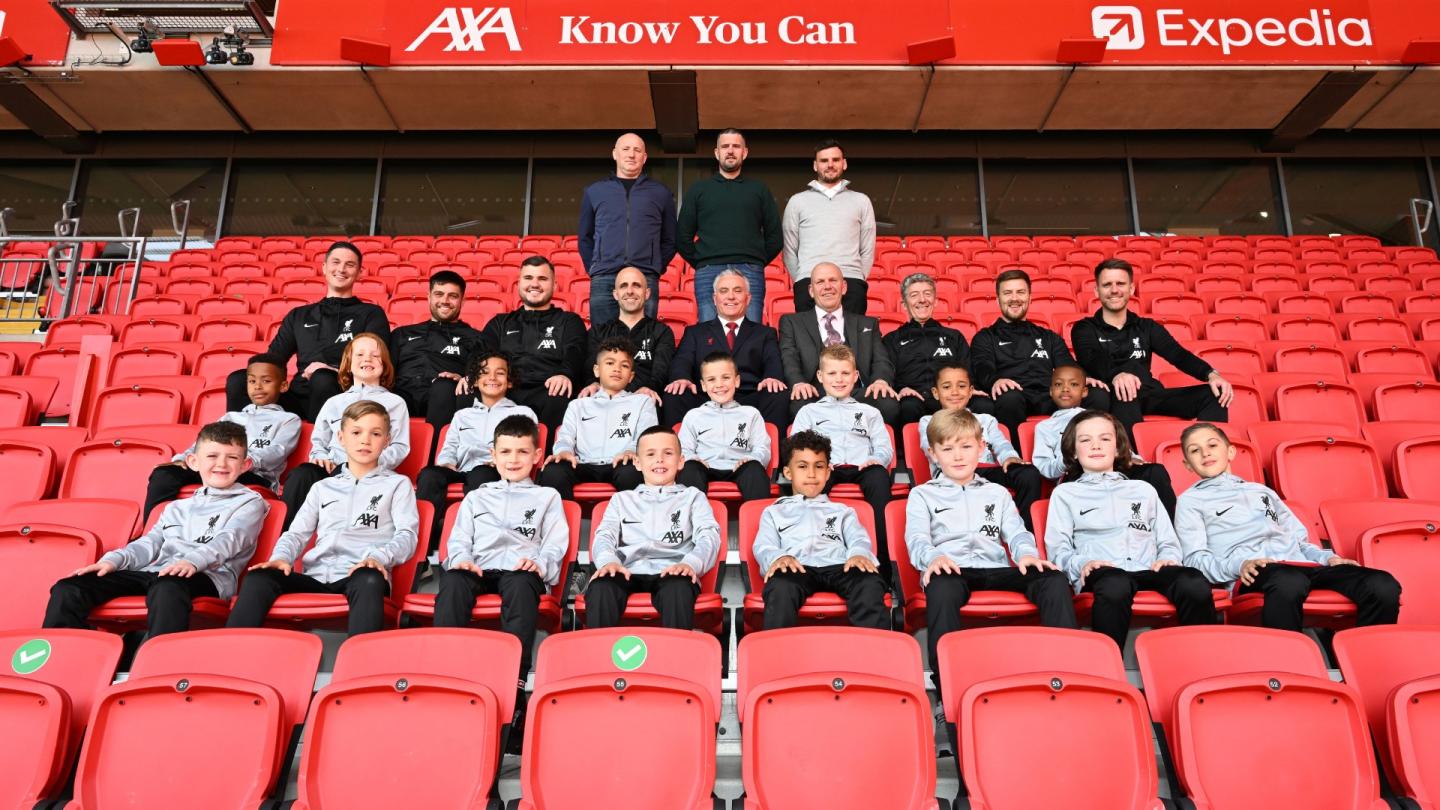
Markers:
point(658, 689)
point(1174, 657)
point(177, 437)
point(447, 689)
point(29, 469)
point(1414, 401)
point(1010, 687)
point(135, 405)
point(1375, 661)
point(1172, 455)
point(1307, 713)
point(1412, 724)
point(1345, 520)
point(46, 696)
point(32, 557)
point(1327, 402)
point(15, 408)
point(61, 365)
point(119, 468)
point(1417, 466)
point(144, 361)
point(113, 522)
point(1314, 471)
point(40, 390)
point(807, 694)
point(1408, 550)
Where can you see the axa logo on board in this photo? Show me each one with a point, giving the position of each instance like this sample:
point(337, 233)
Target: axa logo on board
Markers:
point(465, 28)
point(1125, 29)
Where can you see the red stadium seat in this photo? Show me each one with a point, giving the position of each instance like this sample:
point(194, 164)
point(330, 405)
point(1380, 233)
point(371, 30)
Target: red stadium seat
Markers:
point(29, 470)
point(1379, 328)
point(668, 704)
point(144, 361)
point(1150, 435)
point(1394, 360)
point(1386, 436)
point(61, 365)
point(1394, 670)
point(807, 694)
point(134, 404)
point(1412, 401)
point(990, 606)
point(169, 328)
point(62, 439)
point(419, 608)
point(1417, 465)
point(1308, 328)
point(114, 469)
point(422, 436)
point(1171, 455)
point(230, 329)
point(1313, 471)
point(210, 405)
point(1003, 688)
point(16, 409)
point(1320, 401)
point(822, 608)
point(1175, 663)
point(1235, 329)
point(247, 687)
point(1231, 360)
point(32, 557)
point(1311, 359)
point(214, 365)
point(436, 689)
point(1406, 548)
point(709, 606)
point(46, 707)
point(327, 611)
point(1345, 521)
point(70, 330)
point(113, 522)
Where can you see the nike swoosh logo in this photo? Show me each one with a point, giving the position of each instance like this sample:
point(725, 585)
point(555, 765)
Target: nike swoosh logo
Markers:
point(1102, 340)
point(945, 509)
point(702, 432)
point(1088, 511)
point(311, 325)
point(586, 418)
point(327, 504)
point(821, 421)
point(464, 428)
point(1219, 512)
point(867, 329)
point(1004, 343)
point(906, 342)
point(784, 529)
point(168, 528)
point(416, 337)
point(628, 522)
point(512, 331)
point(479, 514)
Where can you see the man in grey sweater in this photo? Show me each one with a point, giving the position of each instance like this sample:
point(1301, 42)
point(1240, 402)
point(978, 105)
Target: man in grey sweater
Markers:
point(829, 222)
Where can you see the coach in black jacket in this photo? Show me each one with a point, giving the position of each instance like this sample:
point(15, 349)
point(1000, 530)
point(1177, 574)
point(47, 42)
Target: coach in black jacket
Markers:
point(919, 346)
point(1115, 345)
point(545, 343)
point(316, 335)
point(755, 349)
point(653, 339)
point(430, 357)
point(1012, 359)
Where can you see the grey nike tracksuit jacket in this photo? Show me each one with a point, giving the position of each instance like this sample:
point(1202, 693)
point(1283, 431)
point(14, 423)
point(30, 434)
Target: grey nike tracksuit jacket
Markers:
point(1226, 520)
point(471, 437)
point(372, 518)
point(816, 531)
point(503, 522)
point(649, 529)
point(723, 437)
point(325, 440)
point(1106, 516)
point(973, 524)
point(271, 435)
point(598, 428)
point(856, 431)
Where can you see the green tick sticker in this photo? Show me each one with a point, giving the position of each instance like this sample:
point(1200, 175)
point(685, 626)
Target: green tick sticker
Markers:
point(628, 653)
point(34, 654)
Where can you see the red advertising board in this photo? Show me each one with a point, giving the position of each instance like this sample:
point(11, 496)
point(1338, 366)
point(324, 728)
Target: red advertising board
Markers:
point(573, 32)
point(36, 27)
point(853, 32)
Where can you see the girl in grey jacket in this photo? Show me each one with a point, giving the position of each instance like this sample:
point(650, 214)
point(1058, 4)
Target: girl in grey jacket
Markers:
point(1111, 535)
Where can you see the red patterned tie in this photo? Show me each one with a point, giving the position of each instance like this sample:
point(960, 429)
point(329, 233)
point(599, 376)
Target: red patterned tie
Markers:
point(730, 334)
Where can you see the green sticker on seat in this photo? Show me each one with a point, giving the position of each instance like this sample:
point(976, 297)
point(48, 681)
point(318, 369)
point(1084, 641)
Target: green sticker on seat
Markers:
point(31, 656)
point(628, 653)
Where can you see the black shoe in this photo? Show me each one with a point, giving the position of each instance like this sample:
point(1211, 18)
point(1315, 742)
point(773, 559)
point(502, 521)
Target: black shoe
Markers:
point(516, 742)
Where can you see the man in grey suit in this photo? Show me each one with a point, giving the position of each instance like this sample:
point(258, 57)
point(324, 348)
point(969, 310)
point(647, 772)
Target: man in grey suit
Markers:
point(804, 334)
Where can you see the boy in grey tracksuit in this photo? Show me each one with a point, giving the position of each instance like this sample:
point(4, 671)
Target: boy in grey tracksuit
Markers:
point(808, 543)
point(510, 537)
point(465, 455)
point(658, 538)
point(861, 448)
point(1068, 389)
point(596, 440)
point(364, 522)
point(962, 533)
point(723, 440)
point(198, 547)
point(1239, 533)
point(271, 434)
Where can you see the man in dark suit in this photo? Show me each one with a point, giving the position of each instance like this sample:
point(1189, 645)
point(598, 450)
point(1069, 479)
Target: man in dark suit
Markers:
point(753, 345)
point(804, 334)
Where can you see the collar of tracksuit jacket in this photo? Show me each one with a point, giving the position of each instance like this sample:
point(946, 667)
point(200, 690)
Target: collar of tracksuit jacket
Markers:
point(503, 522)
point(650, 528)
point(1106, 516)
point(816, 531)
point(973, 524)
point(372, 518)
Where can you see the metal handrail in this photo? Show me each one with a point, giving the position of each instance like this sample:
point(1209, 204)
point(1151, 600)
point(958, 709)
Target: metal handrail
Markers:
point(1419, 228)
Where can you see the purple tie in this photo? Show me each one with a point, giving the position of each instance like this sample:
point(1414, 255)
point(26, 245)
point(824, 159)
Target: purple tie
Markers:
point(831, 336)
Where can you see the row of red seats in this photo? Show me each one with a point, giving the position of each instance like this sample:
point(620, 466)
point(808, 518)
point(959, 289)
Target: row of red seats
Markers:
point(804, 696)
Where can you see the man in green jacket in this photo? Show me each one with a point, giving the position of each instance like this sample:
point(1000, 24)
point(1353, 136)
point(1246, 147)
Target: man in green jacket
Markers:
point(729, 222)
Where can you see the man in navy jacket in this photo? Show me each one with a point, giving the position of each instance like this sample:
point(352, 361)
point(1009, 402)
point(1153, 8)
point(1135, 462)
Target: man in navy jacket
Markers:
point(626, 220)
point(754, 346)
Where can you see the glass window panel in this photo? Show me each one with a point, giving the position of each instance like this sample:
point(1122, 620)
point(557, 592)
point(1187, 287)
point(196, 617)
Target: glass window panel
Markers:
point(1370, 197)
point(36, 190)
point(911, 197)
point(1208, 197)
point(1041, 197)
point(300, 197)
point(453, 197)
point(559, 183)
point(109, 187)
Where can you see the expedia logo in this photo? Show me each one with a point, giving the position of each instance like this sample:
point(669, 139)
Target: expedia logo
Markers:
point(467, 28)
point(1123, 27)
